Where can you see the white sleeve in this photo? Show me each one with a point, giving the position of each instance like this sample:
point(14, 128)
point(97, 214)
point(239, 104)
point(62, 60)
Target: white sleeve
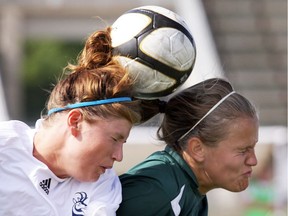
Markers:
point(108, 196)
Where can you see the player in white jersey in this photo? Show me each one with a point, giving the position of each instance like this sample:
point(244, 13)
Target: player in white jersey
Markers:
point(63, 167)
point(28, 186)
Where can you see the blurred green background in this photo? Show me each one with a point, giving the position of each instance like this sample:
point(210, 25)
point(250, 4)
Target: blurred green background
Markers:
point(43, 64)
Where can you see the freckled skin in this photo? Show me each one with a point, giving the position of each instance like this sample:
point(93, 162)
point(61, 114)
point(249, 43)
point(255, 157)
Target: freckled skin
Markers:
point(96, 148)
point(82, 150)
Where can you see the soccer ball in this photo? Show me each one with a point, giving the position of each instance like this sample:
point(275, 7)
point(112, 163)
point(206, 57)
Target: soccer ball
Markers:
point(156, 47)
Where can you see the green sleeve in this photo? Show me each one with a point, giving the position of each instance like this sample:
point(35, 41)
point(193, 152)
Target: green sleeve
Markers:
point(143, 195)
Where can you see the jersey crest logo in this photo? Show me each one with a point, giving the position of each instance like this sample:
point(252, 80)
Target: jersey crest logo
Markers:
point(79, 203)
point(45, 185)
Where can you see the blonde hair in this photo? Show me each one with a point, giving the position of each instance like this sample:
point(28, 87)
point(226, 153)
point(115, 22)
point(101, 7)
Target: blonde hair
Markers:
point(96, 76)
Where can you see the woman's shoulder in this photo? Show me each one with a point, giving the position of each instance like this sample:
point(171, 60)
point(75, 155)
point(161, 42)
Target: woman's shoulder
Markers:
point(12, 125)
point(158, 171)
point(158, 162)
point(12, 132)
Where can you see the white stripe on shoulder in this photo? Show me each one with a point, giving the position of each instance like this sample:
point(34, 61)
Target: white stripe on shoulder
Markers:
point(175, 203)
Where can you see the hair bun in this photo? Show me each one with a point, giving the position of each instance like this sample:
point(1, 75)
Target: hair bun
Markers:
point(162, 106)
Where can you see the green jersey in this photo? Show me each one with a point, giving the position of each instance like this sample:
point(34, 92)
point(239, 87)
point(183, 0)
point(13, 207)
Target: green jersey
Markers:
point(161, 185)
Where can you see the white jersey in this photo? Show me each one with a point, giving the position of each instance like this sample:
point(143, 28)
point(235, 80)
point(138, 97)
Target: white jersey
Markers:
point(28, 187)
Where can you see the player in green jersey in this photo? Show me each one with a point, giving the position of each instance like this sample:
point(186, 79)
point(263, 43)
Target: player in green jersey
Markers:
point(210, 133)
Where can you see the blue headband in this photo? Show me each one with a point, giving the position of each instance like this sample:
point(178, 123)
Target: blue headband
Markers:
point(90, 103)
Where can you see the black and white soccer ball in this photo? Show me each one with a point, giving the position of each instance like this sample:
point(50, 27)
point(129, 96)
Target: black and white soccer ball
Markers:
point(157, 48)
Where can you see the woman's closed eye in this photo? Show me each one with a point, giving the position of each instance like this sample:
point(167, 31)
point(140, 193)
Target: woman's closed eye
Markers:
point(246, 150)
point(118, 140)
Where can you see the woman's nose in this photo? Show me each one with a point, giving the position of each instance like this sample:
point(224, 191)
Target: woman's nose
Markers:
point(118, 153)
point(252, 159)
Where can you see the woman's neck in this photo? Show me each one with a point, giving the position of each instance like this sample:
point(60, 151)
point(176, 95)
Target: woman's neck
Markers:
point(205, 183)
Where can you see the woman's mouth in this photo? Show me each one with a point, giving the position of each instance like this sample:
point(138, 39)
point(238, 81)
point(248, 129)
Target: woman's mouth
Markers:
point(248, 174)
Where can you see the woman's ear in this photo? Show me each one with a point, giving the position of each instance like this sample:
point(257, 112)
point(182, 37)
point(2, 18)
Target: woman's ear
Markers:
point(74, 118)
point(195, 148)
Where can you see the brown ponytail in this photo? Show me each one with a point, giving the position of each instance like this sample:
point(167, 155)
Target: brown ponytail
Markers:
point(97, 52)
point(97, 75)
point(150, 108)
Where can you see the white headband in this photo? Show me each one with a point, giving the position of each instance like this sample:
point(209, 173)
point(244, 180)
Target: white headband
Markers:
point(211, 110)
